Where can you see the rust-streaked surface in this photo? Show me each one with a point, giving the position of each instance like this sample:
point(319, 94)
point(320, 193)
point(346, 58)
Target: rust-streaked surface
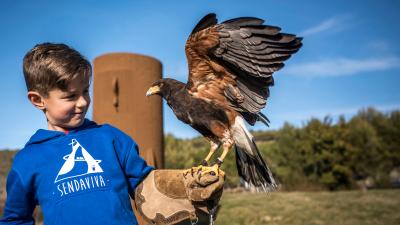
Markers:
point(119, 98)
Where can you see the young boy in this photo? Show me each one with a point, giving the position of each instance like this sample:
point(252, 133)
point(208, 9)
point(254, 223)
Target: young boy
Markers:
point(77, 171)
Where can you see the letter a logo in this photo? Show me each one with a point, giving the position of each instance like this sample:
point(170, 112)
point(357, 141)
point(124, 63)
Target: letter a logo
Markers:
point(78, 163)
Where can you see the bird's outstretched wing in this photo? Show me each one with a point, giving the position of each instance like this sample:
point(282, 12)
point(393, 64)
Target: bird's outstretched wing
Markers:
point(232, 63)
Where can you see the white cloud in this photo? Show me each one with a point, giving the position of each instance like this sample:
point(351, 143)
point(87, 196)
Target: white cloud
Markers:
point(336, 22)
point(342, 66)
point(334, 112)
point(298, 118)
point(379, 45)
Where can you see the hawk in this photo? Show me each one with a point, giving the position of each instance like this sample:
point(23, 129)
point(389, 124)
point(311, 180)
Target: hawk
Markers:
point(230, 72)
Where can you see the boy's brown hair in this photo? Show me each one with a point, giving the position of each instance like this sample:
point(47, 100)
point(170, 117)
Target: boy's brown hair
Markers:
point(49, 65)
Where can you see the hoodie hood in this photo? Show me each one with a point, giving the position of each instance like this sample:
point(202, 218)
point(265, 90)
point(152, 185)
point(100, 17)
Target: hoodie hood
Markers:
point(43, 135)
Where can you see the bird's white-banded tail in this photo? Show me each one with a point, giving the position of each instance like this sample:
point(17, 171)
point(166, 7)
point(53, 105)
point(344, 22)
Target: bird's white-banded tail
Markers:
point(253, 171)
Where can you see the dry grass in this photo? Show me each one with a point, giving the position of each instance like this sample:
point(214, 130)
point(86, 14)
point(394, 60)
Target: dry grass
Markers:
point(325, 208)
point(279, 208)
point(336, 208)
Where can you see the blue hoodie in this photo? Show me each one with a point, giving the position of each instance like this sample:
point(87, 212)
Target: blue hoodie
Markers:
point(83, 177)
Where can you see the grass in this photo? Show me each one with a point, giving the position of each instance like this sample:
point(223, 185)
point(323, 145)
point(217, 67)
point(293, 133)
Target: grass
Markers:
point(336, 208)
point(325, 208)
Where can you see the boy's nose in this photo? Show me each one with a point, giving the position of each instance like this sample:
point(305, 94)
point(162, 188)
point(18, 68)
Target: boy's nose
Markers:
point(83, 101)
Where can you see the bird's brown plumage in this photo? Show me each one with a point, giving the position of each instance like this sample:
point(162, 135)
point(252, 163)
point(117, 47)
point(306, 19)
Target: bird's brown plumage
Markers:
point(232, 63)
point(230, 72)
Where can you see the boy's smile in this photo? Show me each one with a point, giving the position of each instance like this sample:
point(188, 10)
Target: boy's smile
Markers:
point(65, 110)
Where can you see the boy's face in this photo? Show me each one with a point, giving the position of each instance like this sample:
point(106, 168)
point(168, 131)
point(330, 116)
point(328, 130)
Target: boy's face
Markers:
point(67, 109)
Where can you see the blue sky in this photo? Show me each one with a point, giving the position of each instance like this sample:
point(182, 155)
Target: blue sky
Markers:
point(350, 58)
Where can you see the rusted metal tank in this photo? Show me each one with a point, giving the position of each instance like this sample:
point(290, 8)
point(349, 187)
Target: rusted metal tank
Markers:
point(119, 98)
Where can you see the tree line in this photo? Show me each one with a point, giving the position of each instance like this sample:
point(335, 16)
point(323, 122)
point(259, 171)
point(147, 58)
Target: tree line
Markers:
point(323, 154)
point(320, 155)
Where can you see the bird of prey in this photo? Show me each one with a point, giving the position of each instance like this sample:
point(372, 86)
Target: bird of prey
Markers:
point(230, 72)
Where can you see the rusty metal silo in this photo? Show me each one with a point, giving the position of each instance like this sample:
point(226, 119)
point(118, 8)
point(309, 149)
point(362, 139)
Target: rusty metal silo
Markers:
point(120, 84)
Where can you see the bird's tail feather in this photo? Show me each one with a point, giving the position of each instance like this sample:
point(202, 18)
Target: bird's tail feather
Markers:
point(252, 169)
point(263, 118)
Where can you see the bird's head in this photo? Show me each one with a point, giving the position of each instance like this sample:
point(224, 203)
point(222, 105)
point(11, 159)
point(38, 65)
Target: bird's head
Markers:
point(164, 87)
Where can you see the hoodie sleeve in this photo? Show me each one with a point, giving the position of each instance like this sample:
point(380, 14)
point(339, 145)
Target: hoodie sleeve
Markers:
point(134, 166)
point(20, 202)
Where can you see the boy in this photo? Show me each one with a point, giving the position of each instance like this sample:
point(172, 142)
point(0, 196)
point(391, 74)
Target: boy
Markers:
point(77, 171)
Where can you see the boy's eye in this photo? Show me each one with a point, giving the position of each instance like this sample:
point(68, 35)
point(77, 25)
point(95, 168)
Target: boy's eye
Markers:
point(70, 96)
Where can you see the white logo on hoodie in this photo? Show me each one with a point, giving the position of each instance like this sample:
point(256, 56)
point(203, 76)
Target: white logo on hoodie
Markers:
point(78, 163)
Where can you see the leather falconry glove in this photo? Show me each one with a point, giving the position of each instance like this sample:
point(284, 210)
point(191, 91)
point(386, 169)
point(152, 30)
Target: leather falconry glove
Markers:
point(179, 197)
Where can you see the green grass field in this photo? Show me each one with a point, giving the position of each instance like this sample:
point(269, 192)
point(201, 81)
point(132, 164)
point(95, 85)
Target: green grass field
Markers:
point(336, 208)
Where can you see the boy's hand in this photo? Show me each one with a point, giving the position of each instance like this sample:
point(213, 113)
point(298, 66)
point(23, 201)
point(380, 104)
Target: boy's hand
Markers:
point(172, 196)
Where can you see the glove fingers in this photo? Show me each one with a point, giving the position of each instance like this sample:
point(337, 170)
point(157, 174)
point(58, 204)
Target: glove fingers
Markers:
point(213, 188)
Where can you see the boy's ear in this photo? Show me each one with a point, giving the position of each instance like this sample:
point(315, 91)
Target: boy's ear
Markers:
point(36, 99)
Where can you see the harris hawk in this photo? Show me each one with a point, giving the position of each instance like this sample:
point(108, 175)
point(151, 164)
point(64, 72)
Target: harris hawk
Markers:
point(230, 72)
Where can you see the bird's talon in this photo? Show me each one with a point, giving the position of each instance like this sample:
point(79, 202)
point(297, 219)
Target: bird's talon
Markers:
point(192, 171)
point(196, 169)
point(210, 170)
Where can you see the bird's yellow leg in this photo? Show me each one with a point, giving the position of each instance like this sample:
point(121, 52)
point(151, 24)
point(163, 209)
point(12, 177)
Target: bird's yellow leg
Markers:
point(227, 147)
point(215, 168)
point(204, 163)
point(213, 148)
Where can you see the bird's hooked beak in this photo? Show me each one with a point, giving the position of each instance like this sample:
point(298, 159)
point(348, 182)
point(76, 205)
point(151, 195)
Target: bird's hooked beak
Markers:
point(153, 90)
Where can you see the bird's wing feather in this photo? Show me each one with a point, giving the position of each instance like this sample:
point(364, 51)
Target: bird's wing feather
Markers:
point(254, 48)
point(207, 21)
point(233, 62)
point(203, 38)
